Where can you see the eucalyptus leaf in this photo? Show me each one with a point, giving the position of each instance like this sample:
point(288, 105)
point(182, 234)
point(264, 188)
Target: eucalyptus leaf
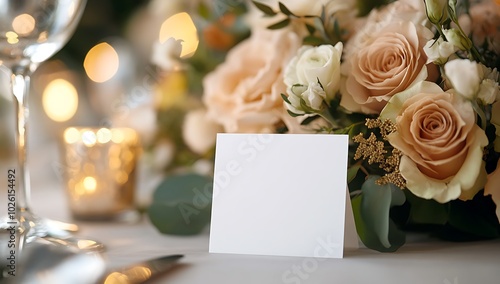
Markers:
point(279, 25)
point(182, 204)
point(285, 10)
point(320, 26)
point(313, 40)
point(381, 232)
point(264, 8)
point(311, 29)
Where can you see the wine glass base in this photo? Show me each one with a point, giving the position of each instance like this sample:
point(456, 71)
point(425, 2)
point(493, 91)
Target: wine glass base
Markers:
point(58, 225)
point(28, 228)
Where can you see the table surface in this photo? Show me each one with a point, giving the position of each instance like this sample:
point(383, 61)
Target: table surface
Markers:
point(421, 260)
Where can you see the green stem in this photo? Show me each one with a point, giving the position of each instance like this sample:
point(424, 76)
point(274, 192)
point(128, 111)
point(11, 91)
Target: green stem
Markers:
point(325, 114)
point(481, 114)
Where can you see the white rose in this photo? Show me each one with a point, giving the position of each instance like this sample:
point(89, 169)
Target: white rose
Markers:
point(463, 75)
point(316, 63)
point(439, 51)
point(313, 96)
point(489, 90)
point(472, 80)
point(456, 38)
point(199, 132)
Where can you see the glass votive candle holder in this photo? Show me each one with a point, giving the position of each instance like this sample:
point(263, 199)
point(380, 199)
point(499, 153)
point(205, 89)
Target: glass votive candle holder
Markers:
point(100, 171)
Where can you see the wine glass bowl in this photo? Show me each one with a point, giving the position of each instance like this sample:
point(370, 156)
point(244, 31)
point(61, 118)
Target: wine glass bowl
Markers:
point(31, 31)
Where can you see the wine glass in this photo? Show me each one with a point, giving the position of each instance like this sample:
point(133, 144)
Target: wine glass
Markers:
point(31, 31)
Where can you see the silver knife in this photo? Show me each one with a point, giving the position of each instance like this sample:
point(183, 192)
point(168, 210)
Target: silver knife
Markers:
point(141, 272)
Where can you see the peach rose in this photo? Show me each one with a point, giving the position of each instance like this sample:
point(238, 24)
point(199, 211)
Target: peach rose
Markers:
point(244, 93)
point(483, 22)
point(391, 61)
point(398, 11)
point(441, 143)
point(198, 132)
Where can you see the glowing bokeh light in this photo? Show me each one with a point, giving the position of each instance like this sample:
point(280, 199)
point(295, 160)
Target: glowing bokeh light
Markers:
point(23, 24)
point(90, 184)
point(12, 37)
point(181, 27)
point(71, 135)
point(101, 63)
point(60, 100)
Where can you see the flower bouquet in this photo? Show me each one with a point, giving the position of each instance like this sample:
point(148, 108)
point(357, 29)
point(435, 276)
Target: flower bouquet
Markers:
point(413, 83)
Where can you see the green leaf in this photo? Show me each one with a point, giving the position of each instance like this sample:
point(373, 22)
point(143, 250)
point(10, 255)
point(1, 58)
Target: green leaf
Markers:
point(319, 82)
point(309, 119)
point(292, 114)
point(264, 8)
point(285, 98)
point(380, 232)
point(311, 29)
point(203, 11)
point(423, 211)
point(285, 10)
point(352, 172)
point(365, 6)
point(279, 25)
point(319, 25)
point(355, 129)
point(182, 204)
point(474, 217)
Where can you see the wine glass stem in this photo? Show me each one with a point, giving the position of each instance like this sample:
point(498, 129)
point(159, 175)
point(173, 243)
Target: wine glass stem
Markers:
point(20, 80)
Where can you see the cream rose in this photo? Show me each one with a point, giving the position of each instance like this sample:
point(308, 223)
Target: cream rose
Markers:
point(389, 63)
point(313, 96)
point(473, 80)
point(441, 144)
point(439, 51)
point(316, 63)
point(244, 93)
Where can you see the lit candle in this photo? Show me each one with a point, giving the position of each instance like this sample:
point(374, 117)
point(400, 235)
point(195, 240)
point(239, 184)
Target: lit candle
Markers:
point(99, 171)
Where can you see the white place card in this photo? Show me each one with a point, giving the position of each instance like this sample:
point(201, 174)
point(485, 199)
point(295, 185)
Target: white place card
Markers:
point(281, 194)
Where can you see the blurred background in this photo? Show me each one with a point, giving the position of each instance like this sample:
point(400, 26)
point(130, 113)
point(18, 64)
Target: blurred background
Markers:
point(106, 76)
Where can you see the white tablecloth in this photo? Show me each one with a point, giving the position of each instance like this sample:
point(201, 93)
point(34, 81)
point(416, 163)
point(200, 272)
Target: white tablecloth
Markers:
point(421, 260)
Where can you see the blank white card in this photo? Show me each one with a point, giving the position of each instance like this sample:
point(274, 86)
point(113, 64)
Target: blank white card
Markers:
point(283, 195)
